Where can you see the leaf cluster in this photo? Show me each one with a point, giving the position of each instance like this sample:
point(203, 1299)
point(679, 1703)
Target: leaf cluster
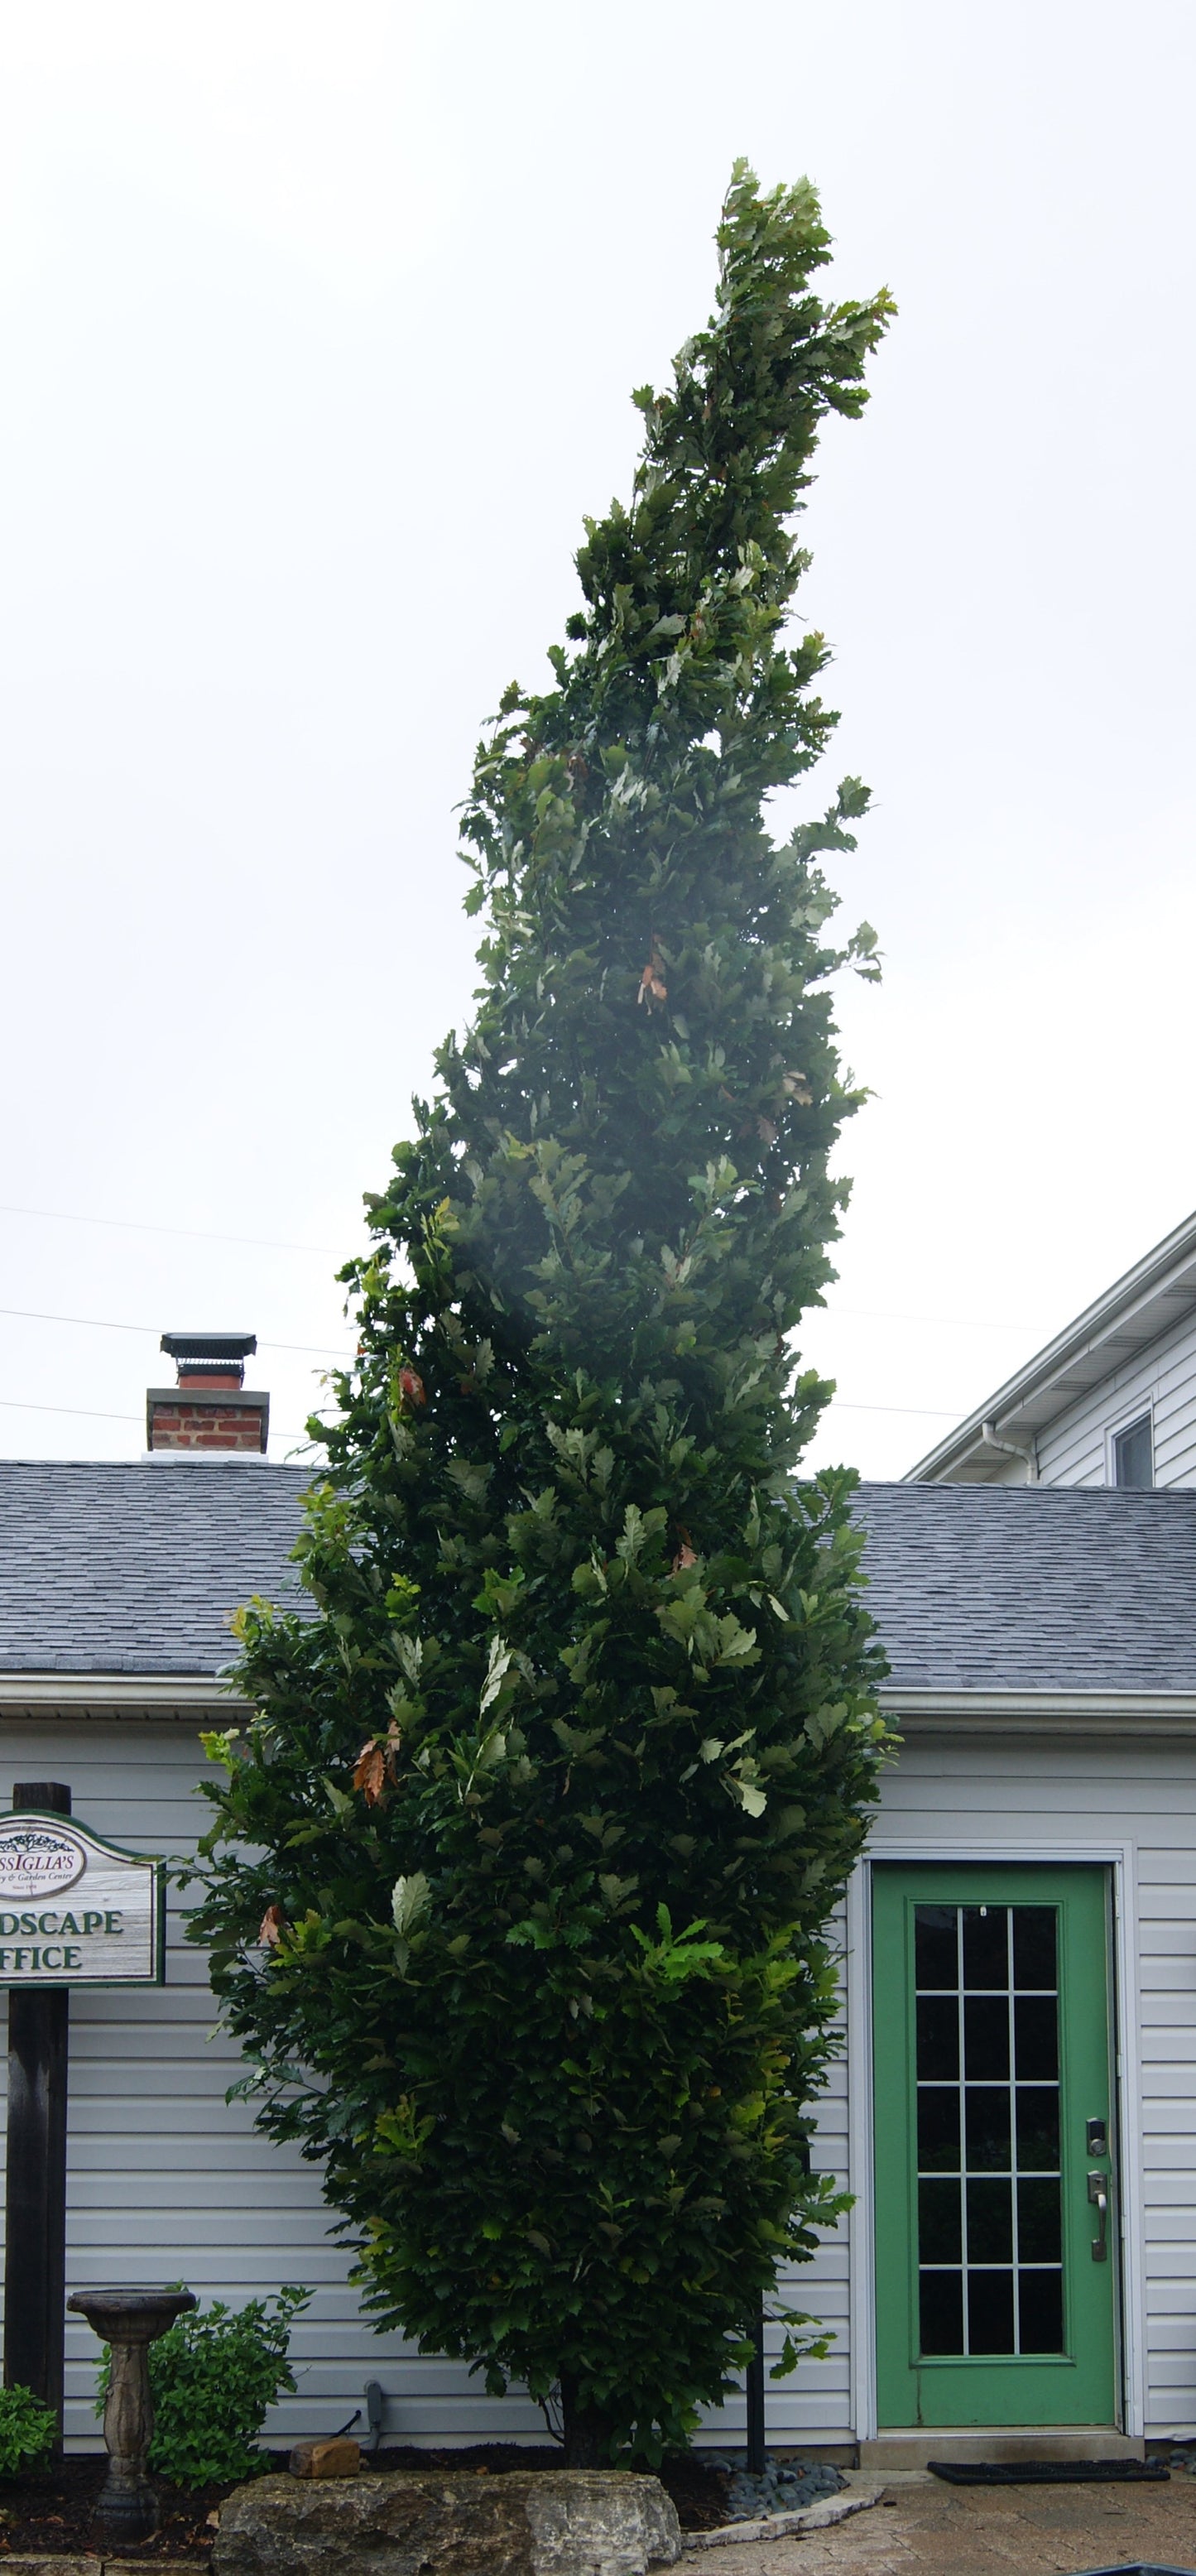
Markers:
point(28, 2431)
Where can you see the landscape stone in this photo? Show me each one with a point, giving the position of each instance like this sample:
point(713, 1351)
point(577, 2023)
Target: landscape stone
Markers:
point(333, 2458)
point(546, 2522)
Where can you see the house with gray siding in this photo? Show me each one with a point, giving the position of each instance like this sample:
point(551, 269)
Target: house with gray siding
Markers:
point(1014, 2107)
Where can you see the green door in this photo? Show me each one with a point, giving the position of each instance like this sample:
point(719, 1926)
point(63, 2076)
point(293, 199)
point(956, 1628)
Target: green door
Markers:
point(996, 2271)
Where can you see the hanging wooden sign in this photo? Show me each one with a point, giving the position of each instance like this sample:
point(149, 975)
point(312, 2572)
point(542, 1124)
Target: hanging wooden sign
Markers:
point(75, 1910)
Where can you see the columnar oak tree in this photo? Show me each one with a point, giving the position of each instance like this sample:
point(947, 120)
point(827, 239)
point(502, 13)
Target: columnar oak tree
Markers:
point(554, 1784)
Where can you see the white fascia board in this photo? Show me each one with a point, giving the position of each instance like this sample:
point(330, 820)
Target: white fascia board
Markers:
point(164, 1695)
point(1136, 1310)
point(1045, 1712)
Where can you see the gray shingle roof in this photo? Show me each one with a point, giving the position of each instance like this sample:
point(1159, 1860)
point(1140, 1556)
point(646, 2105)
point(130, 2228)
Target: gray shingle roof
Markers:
point(134, 1568)
point(1033, 1587)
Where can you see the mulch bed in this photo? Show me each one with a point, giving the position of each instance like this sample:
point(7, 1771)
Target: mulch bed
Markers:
point(50, 2510)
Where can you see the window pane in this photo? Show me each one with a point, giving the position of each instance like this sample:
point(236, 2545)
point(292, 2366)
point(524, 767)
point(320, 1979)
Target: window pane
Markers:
point(990, 2312)
point(988, 2128)
point(1039, 2222)
point(1034, 1946)
point(986, 1945)
point(940, 2231)
point(990, 2222)
point(936, 1946)
point(986, 2039)
point(1036, 2037)
point(940, 2299)
point(1040, 2299)
point(938, 2038)
point(1133, 1454)
point(1037, 2128)
point(938, 2130)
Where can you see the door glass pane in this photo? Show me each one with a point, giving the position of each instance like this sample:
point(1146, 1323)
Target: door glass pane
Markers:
point(990, 2311)
point(1034, 1948)
point(986, 1946)
point(1038, 2128)
point(1039, 2230)
point(1036, 2037)
point(988, 2128)
point(1040, 2300)
point(940, 2221)
point(938, 2038)
point(936, 1934)
point(989, 2190)
point(986, 2038)
point(938, 2128)
point(940, 2302)
point(990, 2222)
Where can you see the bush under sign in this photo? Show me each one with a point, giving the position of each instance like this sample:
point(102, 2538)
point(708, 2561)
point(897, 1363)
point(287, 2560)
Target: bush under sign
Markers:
point(76, 1911)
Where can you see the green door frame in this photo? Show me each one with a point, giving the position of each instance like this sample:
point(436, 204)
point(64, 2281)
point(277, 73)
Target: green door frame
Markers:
point(1080, 2383)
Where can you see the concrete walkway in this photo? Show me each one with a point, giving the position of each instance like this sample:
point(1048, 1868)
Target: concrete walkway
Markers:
point(924, 2528)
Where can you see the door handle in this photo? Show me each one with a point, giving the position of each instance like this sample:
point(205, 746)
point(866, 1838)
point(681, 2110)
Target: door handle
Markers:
point(1098, 2194)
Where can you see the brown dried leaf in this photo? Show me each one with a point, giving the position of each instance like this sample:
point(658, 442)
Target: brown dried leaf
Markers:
point(273, 1925)
point(369, 1772)
point(411, 1386)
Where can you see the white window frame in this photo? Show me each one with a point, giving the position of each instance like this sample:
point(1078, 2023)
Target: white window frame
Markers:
point(1121, 1858)
point(1113, 1431)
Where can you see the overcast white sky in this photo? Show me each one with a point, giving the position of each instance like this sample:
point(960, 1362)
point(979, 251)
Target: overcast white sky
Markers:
point(319, 324)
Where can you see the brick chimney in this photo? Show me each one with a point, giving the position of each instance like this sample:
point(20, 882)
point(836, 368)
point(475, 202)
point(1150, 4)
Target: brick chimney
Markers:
point(211, 1408)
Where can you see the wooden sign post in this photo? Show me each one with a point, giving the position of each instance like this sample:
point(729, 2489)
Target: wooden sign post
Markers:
point(73, 1911)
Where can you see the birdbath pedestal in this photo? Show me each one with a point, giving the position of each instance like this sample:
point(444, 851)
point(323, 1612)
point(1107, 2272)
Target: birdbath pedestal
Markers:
point(129, 2321)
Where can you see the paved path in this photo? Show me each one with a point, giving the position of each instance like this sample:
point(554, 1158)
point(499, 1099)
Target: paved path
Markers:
point(936, 2530)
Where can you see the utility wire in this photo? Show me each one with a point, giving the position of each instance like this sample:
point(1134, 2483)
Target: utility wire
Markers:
point(925, 1412)
point(89, 1413)
point(190, 1233)
point(270, 1243)
point(104, 1324)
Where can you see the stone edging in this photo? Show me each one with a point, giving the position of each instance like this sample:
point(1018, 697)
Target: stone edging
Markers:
point(809, 2517)
point(85, 2562)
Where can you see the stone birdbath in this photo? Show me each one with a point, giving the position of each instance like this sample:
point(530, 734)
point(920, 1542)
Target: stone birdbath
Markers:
point(129, 2321)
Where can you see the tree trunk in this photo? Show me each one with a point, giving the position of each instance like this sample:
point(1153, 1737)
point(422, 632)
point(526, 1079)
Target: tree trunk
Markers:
point(587, 2431)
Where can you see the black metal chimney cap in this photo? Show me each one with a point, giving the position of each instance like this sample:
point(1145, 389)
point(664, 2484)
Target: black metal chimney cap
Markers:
point(228, 1347)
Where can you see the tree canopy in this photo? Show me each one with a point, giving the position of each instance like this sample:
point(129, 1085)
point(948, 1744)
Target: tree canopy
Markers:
point(517, 1886)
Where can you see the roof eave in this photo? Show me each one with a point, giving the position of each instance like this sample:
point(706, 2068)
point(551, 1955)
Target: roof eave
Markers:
point(108, 1695)
point(1040, 1712)
point(1159, 1291)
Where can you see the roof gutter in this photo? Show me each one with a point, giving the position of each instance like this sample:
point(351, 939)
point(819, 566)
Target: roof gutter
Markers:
point(1040, 1712)
point(107, 1695)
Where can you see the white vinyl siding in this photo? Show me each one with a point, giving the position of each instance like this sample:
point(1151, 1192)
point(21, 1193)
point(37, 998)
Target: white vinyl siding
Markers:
point(1074, 1448)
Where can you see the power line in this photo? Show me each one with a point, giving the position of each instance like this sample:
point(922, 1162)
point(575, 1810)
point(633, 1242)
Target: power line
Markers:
point(925, 1412)
point(104, 1324)
point(90, 1413)
point(270, 1243)
point(961, 1323)
point(188, 1233)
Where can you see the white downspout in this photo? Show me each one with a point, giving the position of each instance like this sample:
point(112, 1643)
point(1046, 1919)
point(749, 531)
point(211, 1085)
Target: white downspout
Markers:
point(1028, 1453)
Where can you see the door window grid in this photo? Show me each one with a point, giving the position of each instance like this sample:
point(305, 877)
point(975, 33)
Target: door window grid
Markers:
point(1003, 2181)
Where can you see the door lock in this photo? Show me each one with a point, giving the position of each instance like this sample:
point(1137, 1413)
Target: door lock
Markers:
point(1098, 2194)
point(1098, 2137)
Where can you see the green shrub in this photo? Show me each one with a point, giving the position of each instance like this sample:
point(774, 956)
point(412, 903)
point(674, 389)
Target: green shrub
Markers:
point(28, 2431)
point(213, 2376)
